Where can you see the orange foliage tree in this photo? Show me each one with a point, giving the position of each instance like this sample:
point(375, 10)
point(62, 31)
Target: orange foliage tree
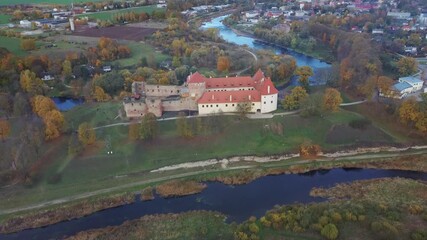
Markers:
point(223, 63)
point(52, 118)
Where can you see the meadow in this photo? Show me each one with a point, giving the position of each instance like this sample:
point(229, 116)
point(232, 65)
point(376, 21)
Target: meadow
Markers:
point(13, 45)
point(108, 15)
point(4, 18)
point(34, 2)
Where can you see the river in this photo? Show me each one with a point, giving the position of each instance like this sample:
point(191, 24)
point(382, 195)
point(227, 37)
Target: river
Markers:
point(237, 202)
point(230, 36)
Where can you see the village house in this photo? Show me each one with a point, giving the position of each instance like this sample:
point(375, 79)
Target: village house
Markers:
point(405, 86)
point(205, 95)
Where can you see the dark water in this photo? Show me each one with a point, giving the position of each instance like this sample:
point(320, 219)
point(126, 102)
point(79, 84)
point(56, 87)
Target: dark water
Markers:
point(237, 202)
point(302, 60)
point(65, 104)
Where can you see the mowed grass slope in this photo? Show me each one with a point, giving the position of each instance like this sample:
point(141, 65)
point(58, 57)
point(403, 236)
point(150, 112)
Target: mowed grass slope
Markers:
point(95, 169)
point(138, 51)
point(108, 15)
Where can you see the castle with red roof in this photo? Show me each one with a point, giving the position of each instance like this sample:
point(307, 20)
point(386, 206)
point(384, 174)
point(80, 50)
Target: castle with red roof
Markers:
point(205, 95)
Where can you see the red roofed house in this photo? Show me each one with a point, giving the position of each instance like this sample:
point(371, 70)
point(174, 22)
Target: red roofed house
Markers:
point(224, 94)
point(205, 95)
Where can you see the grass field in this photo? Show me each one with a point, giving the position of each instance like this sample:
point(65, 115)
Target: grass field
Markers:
point(107, 15)
point(13, 45)
point(68, 2)
point(95, 169)
point(4, 18)
point(138, 51)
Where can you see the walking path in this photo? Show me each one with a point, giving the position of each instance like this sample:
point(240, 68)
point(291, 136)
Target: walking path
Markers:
point(194, 173)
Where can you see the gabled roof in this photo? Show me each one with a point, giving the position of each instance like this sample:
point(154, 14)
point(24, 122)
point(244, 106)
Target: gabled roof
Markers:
point(266, 87)
point(401, 86)
point(230, 82)
point(230, 97)
point(258, 75)
point(196, 78)
point(411, 80)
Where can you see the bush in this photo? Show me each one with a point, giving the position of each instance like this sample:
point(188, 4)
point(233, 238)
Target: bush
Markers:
point(419, 235)
point(415, 209)
point(330, 231)
point(359, 124)
point(253, 228)
point(384, 230)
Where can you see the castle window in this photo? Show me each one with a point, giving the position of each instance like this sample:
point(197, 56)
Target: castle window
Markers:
point(211, 105)
point(217, 105)
point(232, 105)
point(264, 102)
point(226, 105)
point(203, 105)
point(271, 101)
point(253, 104)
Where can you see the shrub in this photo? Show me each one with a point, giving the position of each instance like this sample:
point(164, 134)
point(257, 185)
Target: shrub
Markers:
point(330, 231)
point(419, 235)
point(323, 220)
point(359, 124)
point(336, 217)
point(415, 209)
point(384, 230)
point(253, 228)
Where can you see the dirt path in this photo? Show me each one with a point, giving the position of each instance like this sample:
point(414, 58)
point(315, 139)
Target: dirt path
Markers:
point(394, 152)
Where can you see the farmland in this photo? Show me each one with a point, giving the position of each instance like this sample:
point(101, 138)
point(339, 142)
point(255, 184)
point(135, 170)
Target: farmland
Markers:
point(116, 32)
point(4, 18)
point(107, 15)
point(13, 45)
point(34, 2)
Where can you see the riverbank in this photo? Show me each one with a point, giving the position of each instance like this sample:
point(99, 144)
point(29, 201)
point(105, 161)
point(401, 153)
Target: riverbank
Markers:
point(230, 175)
point(385, 208)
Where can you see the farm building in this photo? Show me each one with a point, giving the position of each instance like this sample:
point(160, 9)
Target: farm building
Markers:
point(205, 95)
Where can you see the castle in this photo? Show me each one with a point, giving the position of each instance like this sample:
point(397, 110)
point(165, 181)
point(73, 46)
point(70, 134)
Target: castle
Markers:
point(205, 95)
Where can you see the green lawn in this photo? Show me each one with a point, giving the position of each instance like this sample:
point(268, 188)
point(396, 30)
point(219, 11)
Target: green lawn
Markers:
point(4, 18)
point(95, 169)
point(68, 2)
point(138, 51)
point(13, 45)
point(107, 15)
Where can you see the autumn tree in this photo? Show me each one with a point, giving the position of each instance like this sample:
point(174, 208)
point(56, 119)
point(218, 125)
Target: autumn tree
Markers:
point(133, 131)
point(30, 83)
point(293, 100)
point(28, 44)
point(408, 111)
point(183, 126)
point(66, 68)
point(331, 99)
point(223, 64)
point(86, 134)
point(148, 128)
point(407, 66)
point(304, 73)
point(54, 121)
point(4, 129)
point(330, 231)
point(99, 95)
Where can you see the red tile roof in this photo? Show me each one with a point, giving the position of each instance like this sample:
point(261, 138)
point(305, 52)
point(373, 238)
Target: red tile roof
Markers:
point(230, 97)
point(196, 78)
point(230, 82)
point(258, 75)
point(266, 87)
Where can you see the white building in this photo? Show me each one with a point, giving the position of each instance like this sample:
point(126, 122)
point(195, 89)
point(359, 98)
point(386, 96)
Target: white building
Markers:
point(226, 94)
point(399, 15)
point(405, 86)
point(25, 24)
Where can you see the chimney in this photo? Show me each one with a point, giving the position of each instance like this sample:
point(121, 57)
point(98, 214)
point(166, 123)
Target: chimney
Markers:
point(268, 89)
point(231, 99)
point(226, 76)
point(262, 79)
point(213, 97)
point(249, 97)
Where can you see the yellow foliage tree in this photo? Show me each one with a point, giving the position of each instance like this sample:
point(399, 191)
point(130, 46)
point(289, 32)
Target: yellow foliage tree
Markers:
point(87, 134)
point(4, 129)
point(54, 121)
point(28, 44)
point(293, 100)
point(332, 100)
point(223, 63)
point(99, 95)
point(408, 111)
point(30, 83)
point(133, 131)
